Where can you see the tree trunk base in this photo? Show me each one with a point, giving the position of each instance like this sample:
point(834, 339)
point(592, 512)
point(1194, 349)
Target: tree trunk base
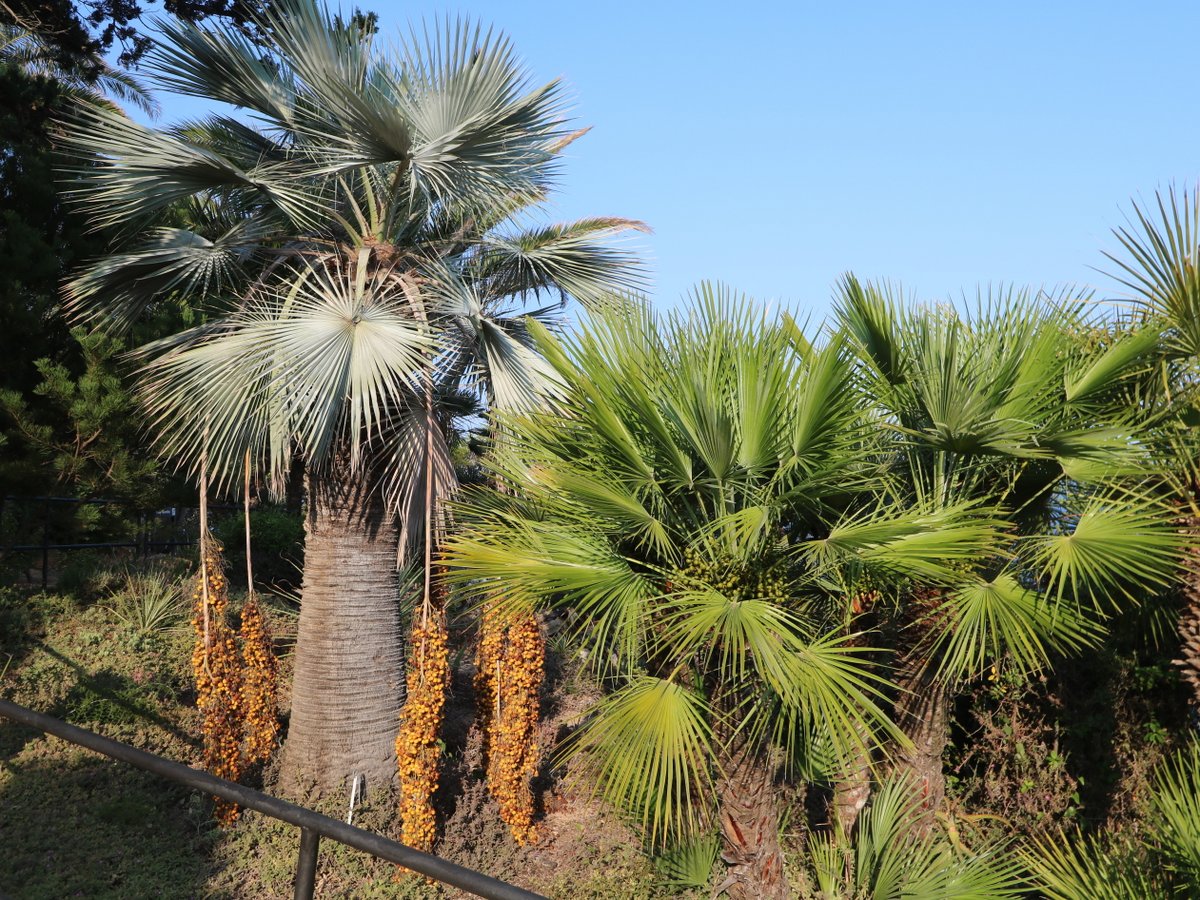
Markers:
point(349, 650)
point(749, 820)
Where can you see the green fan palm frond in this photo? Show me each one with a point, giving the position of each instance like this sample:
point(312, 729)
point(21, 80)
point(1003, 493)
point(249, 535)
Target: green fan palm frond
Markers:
point(650, 744)
point(669, 502)
point(1161, 263)
point(1065, 870)
point(1165, 864)
point(891, 857)
point(1119, 546)
point(1175, 802)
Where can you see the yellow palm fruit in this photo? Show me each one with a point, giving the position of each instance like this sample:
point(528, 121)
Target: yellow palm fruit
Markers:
point(259, 698)
point(418, 746)
point(217, 667)
point(512, 720)
point(487, 667)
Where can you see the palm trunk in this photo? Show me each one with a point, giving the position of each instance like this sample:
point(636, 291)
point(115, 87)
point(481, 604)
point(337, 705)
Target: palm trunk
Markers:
point(851, 791)
point(349, 661)
point(1189, 615)
point(923, 713)
point(749, 817)
point(852, 788)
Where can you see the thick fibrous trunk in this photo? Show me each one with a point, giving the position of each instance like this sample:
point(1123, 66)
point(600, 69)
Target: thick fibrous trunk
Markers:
point(1189, 616)
point(749, 819)
point(349, 662)
point(851, 791)
point(923, 713)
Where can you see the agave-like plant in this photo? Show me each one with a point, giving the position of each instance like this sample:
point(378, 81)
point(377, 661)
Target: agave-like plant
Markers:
point(1022, 408)
point(363, 261)
point(705, 491)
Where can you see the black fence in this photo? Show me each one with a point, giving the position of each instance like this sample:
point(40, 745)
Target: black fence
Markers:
point(313, 826)
point(38, 526)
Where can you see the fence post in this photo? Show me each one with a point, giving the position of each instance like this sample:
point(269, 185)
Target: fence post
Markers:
point(306, 864)
point(45, 542)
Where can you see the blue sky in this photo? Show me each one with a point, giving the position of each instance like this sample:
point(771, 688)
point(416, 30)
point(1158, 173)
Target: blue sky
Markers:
point(944, 145)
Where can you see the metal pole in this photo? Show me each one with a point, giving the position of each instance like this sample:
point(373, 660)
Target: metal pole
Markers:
point(306, 864)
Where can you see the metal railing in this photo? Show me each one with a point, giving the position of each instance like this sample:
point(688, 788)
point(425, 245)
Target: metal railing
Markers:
point(37, 531)
point(313, 826)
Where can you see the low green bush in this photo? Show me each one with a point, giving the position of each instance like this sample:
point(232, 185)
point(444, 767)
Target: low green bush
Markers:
point(276, 542)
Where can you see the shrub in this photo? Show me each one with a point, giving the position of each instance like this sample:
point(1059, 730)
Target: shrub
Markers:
point(277, 544)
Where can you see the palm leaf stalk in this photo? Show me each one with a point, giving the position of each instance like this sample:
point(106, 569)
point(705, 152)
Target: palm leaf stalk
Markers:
point(360, 231)
point(705, 549)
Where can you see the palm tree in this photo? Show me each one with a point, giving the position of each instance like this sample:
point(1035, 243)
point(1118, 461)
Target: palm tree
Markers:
point(1023, 409)
point(360, 263)
point(700, 501)
point(1160, 263)
point(96, 84)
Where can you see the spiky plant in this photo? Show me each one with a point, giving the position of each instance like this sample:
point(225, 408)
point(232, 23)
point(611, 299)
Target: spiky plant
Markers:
point(361, 259)
point(891, 855)
point(1165, 864)
point(1159, 262)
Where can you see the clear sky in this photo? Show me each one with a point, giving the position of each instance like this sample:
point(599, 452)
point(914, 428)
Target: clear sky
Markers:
point(944, 145)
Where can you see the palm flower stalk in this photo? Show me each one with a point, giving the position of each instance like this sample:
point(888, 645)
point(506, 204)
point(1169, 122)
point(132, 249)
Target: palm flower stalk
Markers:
point(259, 701)
point(418, 742)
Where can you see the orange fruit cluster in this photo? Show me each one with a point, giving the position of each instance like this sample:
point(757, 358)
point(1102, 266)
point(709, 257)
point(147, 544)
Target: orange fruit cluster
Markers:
point(216, 663)
point(259, 688)
point(511, 662)
point(418, 744)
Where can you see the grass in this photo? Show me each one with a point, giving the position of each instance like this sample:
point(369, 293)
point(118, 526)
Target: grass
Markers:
point(73, 824)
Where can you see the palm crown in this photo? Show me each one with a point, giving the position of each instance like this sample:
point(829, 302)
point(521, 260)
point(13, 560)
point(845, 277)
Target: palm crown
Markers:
point(705, 502)
point(355, 235)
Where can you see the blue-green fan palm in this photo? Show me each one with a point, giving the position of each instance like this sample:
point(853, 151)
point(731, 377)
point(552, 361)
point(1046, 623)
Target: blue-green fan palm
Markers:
point(364, 254)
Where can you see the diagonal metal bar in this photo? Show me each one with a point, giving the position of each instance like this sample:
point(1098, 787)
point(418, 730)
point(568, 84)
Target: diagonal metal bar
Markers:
point(319, 825)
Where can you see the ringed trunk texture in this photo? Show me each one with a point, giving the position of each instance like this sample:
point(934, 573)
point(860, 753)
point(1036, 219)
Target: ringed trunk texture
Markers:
point(852, 788)
point(923, 713)
point(749, 818)
point(349, 661)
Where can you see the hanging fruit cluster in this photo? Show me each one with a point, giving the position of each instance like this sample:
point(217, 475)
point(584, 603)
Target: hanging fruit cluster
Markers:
point(418, 743)
point(487, 672)
point(512, 689)
point(218, 672)
point(259, 689)
point(762, 580)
